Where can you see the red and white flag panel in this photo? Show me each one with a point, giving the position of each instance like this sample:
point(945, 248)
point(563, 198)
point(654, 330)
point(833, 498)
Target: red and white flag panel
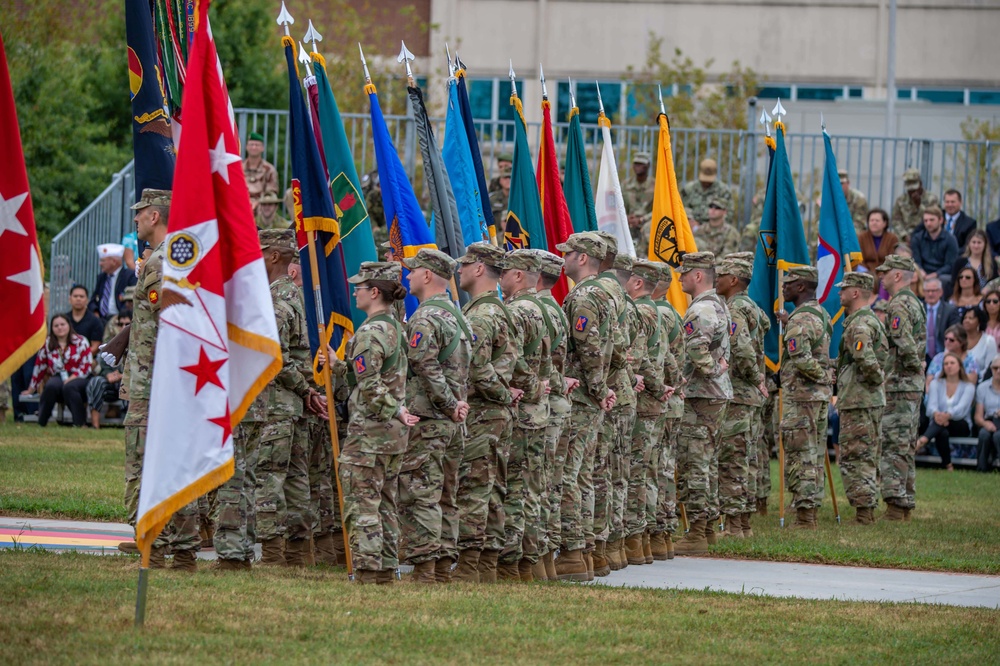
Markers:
point(22, 324)
point(217, 344)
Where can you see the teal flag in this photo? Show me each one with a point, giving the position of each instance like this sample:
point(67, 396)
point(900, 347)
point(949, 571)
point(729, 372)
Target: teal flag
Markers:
point(524, 226)
point(576, 180)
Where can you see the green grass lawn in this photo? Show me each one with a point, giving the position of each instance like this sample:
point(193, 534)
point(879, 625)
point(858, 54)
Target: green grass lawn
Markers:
point(76, 608)
point(64, 473)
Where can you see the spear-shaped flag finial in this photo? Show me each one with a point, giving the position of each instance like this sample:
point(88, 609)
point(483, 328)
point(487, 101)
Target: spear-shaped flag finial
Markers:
point(312, 35)
point(778, 110)
point(600, 102)
point(765, 120)
point(458, 61)
point(572, 96)
point(405, 57)
point(659, 92)
point(451, 63)
point(510, 73)
point(285, 19)
point(541, 77)
point(305, 59)
point(364, 63)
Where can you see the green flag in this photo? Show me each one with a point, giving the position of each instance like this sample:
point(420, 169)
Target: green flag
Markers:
point(524, 226)
point(576, 183)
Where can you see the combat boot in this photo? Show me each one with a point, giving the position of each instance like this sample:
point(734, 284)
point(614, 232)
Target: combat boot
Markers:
point(442, 569)
point(658, 546)
point(571, 566)
point(488, 566)
point(207, 533)
point(762, 506)
point(524, 571)
point(894, 513)
point(647, 548)
point(423, 573)
point(365, 577)
point(603, 560)
point(326, 553)
point(339, 548)
point(229, 565)
point(295, 552)
point(467, 570)
point(805, 519)
point(622, 557)
point(158, 557)
point(633, 550)
point(129, 547)
point(747, 530)
point(588, 559)
point(508, 571)
point(669, 538)
point(734, 527)
point(550, 566)
point(385, 577)
point(272, 551)
point(711, 534)
point(906, 515)
point(185, 560)
point(695, 541)
point(310, 553)
point(864, 515)
point(538, 570)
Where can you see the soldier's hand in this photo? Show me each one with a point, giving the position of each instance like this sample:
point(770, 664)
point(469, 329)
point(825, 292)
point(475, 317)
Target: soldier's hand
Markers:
point(762, 387)
point(724, 364)
point(571, 383)
point(406, 418)
point(640, 385)
point(461, 411)
point(113, 350)
point(516, 393)
point(546, 388)
point(781, 316)
point(609, 401)
point(668, 391)
point(635, 221)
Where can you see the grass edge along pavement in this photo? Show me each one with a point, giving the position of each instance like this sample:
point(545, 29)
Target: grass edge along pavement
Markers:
point(77, 474)
point(72, 608)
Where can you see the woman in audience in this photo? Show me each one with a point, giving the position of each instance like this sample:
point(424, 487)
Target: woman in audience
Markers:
point(982, 347)
point(63, 366)
point(949, 407)
point(988, 419)
point(978, 257)
point(956, 341)
point(967, 292)
point(991, 303)
point(876, 242)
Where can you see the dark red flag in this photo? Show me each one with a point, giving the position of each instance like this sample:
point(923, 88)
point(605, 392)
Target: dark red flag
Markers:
point(558, 225)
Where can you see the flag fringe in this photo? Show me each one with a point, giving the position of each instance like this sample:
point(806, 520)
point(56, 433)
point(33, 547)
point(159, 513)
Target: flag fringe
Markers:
point(264, 345)
point(318, 58)
point(603, 121)
point(411, 250)
point(515, 101)
point(288, 41)
point(459, 73)
point(786, 265)
point(770, 142)
point(27, 349)
point(370, 89)
point(325, 224)
point(572, 112)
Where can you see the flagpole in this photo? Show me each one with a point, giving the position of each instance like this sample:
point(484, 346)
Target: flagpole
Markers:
point(781, 405)
point(140, 596)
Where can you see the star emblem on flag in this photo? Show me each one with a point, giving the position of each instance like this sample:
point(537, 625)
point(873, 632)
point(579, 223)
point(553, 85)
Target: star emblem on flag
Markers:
point(206, 371)
point(222, 159)
point(31, 278)
point(226, 423)
point(8, 214)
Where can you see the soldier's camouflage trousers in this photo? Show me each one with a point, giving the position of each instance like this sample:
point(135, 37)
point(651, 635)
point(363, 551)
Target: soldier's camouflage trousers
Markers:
point(555, 460)
point(619, 461)
point(803, 432)
point(522, 509)
point(370, 483)
point(428, 487)
point(765, 444)
point(282, 491)
point(666, 478)
point(324, 505)
point(697, 456)
point(208, 508)
point(900, 421)
point(860, 434)
point(235, 531)
point(753, 466)
point(576, 510)
point(733, 459)
point(486, 428)
point(640, 466)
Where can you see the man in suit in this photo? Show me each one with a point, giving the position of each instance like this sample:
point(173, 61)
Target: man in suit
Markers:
point(108, 295)
point(940, 315)
point(955, 220)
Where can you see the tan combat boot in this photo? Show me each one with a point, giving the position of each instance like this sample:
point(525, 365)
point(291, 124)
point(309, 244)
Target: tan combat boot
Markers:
point(365, 577)
point(805, 519)
point(647, 548)
point(762, 506)
point(207, 532)
point(864, 515)
point(158, 557)
point(711, 531)
point(734, 527)
point(385, 577)
point(524, 571)
point(605, 558)
point(185, 560)
point(747, 530)
point(508, 571)
point(272, 551)
point(467, 570)
point(694, 542)
point(442, 569)
point(622, 557)
point(658, 546)
point(571, 566)
point(423, 573)
point(129, 547)
point(538, 570)
point(894, 513)
point(339, 548)
point(633, 550)
point(588, 559)
point(669, 538)
point(550, 566)
point(906, 515)
point(229, 565)
point(326, 552)
point(488, 566)
point(295, 552)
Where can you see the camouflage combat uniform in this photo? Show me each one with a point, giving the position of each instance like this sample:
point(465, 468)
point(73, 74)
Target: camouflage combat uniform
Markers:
point(907, 216)
point(638, 199)
point(696, 197)
point(858, 205)
point(260, 179)
point(235, 529)
point(663, 486)
point(720, 241)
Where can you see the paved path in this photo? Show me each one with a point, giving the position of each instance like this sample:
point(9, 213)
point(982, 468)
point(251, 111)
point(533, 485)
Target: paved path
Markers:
point(775, 579)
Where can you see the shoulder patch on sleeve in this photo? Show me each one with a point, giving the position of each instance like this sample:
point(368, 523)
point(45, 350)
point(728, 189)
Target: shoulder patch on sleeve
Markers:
point(792, 346)
point(415, 339)
point(858, 346)
point(359, 364)
point(581, 324)
point(732, 328)
point(154, 296)
point(895, 323)
point(689, 328)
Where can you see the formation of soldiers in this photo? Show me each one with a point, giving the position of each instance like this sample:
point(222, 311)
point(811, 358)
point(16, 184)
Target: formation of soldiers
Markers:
point(477, 444)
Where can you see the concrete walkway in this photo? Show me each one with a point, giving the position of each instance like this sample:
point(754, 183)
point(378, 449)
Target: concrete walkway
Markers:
point(774, 579)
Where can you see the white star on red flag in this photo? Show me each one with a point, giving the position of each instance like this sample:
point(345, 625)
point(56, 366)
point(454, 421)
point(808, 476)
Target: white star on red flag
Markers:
point(221, 159)
point(8, 214)
point(31, 278)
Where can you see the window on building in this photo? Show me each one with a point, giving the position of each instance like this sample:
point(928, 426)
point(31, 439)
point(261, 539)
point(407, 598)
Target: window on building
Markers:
point(984, 97)
point(941, 96)
point(481, 98)
point(643, 102)
point(819, 92)
point(855, 93)
point(773, 92)
point(586, 99)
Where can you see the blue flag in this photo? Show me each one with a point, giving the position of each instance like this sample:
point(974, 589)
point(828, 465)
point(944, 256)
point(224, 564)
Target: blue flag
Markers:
point(838, 244)
point(477, 158)
point(408, 230)
point(457, 156)
point(781, 243)
point(315, 213)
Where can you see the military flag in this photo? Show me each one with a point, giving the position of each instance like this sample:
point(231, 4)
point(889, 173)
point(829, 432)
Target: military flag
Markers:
point(576, 186)
point(838, 244)
point(558, 225)
point(670, 232)
point(781, 242)
point(523, 224)
point(217, 343)
point(608, 201)
point(152, 134)
point(458, 160)
point(465, 107)
point(21, 286)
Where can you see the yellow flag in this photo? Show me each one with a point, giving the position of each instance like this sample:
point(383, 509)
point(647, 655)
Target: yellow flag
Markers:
point(670, 234)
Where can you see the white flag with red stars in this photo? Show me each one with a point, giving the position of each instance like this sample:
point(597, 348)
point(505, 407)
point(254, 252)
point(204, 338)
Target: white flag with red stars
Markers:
point(217, 342)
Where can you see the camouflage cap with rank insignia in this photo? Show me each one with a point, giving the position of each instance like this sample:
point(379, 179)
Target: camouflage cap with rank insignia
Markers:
point(377, 270)
point(152, 197)
point(737, 267)
point(523, 260)
point(807, 273)
point(552, 264)
point(897, 262)
point(609, 240)
point(435, 261)
point(484, 252)
point(856, 279)
point(693, 260)
point(277, 239)
point(623, 262)
point(741, 256)
point(647, 271)
point(585, 242)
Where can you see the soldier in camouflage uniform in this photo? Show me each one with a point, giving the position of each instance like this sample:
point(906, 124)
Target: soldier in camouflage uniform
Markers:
point(662, 487)
point(588, 352)
point(717, 236)
point(746, 371)
point(706, 396)
point(267, 216)
point(860, 395)
point(908, 209)
point(807, 388)
point(500, 196)
point(504, 163)
point(235, 530)
point(697, 194)
point(766, 441)
point(532, 370)
point(483, 475)
point(904, 379)
point(4, 400)
point(637, 191)
point(856, 202)
point(556, 437)
point(372, 190)
point(260, 175)
point(439, 351)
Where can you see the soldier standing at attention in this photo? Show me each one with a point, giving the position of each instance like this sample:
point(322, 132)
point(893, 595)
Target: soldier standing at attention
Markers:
point(807, 389)
point(261, 176)
point(504, 163)
point(718, 236)
point(904, 379)
point(588, 311)
point(706, 395)
point(483, 475)
point(908, 209)
point(500, 196)
point(438, 351)
point(697, 194)
point(856, 202)
point(860, 395)
point(637, 191)
point(267, 216)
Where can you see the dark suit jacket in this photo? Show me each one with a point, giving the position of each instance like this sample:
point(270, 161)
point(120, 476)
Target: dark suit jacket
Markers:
point(947, 315)
point(126, 278)
point(963, 228)
point(993, 234)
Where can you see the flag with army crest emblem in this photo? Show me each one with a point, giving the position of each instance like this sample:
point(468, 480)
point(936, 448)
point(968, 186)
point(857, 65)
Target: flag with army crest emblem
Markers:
point(523, 226)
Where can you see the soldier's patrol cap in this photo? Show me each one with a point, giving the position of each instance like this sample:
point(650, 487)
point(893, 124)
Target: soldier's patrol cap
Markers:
point(623, 262)
point(718, 202)
point(741, 256)
point(269, 198)
point(708, 170)
point(666, 272)
point(609, 240)
point(255, 136)
point(738, 267)
point(523, 260)
point(807, 273)
point(881, 305)
point(505, 157)
point(693, 260)
point(897, 261)
point(488, 253)
point(377, 270)
point(435, 261)
point(151, 197)
point(129, 293)
point(585, 242)
point(911, 179)
point(843, 175)
point(283, 239)
point(552, 264)
point(857, 279)
point(647, 270)
point(641, 157)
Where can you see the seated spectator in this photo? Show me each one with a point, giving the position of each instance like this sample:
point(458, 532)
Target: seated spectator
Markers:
point(949, 407)
point(982, 347)
point(877, 242)
point(103, 386)
point(956, 222)
point(940, 315)
point(84, 322)
point(966, 293)
point(978, 257)
point(956, 342)
point(934, 249)
point(988, 419)
point(130, 242)
point(111, 283)
point(991, 303)
point(111, 329)
point(62, 366)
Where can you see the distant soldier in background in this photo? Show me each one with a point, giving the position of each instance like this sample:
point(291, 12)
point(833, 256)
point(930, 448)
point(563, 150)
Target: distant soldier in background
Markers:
point(637, 191)
point(697, 194)
point(260, 175)
point(856, 202)
point(500, 196)
point(371, 188)
point(717, 236)
point(908, 209)
point(505, 161)
point(267, 216)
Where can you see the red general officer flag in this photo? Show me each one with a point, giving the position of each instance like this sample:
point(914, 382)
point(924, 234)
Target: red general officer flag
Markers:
point(217, 342)
point(558, 225)
point(23, 330)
